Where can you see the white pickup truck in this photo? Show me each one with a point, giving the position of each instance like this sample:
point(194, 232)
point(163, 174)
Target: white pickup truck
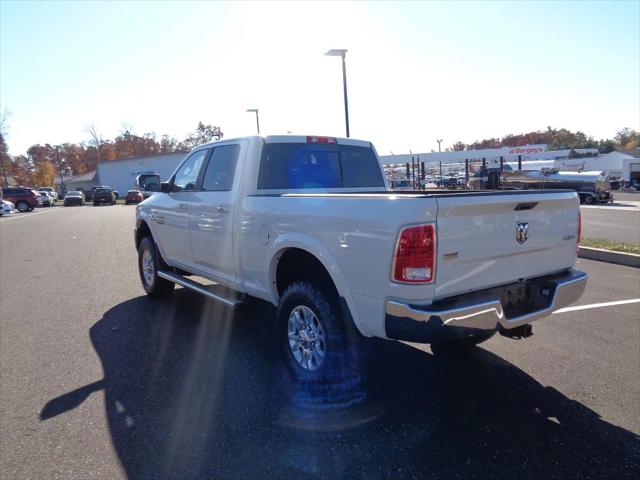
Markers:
point(308, 224)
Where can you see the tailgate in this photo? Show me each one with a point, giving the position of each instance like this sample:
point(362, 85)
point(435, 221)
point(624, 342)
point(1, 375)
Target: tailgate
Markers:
point(497, 238)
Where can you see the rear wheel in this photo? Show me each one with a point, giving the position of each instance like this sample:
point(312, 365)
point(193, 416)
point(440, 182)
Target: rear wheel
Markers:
point(320, 351)
point(22, 206)
point(588, 199)
point(149, 263)
point(461, 345)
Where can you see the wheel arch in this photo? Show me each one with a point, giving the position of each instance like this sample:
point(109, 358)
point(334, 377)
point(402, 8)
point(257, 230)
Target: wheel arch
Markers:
point(287, 251)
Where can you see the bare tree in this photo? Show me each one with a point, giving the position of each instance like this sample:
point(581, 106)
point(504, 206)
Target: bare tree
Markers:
point(96, 139)
point(4, 149)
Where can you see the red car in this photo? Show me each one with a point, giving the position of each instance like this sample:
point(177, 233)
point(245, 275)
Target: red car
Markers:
point(23, 198)
point(133, 196)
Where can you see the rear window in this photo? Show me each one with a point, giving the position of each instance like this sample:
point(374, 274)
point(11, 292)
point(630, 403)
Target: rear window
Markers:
point(302, 165)
point(103, 190)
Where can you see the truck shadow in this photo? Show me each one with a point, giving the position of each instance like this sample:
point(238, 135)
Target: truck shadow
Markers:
point(195, 391)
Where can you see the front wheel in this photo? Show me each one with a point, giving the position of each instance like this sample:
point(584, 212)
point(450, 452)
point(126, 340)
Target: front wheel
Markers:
point(149, 263)
point(22, 206)
point(319, 349)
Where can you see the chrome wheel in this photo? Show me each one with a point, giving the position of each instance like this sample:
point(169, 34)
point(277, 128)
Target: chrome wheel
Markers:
point(148, 268)
point(306, 338)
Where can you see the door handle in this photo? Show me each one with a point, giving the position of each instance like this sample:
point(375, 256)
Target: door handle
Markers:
point(220, 209)
point(183, 206)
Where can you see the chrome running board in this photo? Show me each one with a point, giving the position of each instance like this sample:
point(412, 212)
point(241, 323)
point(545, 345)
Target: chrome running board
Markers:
point(198, 287)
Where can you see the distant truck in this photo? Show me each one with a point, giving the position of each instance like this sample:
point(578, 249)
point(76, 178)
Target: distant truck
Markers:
point(592, 187)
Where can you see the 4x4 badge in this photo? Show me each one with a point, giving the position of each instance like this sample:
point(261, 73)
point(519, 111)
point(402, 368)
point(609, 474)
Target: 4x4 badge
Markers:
point(522, 232)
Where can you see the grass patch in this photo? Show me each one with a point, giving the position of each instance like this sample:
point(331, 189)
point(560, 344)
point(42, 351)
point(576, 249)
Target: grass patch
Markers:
point(624, 247)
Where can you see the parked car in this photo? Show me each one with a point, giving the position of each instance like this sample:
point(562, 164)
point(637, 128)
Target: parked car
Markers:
point(89, 193)
point(6, 208)
point(74, 197)
point(116, 194)
point(25, 199)
point(50, 191)
point(103, 195)
point(47, 199)
point(133, 196)
point(401, 184)
point(306, 223)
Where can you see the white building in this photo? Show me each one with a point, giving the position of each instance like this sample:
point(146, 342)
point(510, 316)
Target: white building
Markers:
point(491, 155)
point(616, 164)
point(121, 174)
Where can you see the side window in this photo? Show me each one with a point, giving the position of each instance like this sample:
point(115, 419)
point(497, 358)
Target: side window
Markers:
point(221, 169)
point(187, 176)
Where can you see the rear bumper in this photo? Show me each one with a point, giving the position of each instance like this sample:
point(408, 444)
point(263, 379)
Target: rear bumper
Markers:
point(468, 315)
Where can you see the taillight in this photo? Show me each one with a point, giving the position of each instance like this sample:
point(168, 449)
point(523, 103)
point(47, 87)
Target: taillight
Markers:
point(321, 140)
point(415, 257)
point(579, 232)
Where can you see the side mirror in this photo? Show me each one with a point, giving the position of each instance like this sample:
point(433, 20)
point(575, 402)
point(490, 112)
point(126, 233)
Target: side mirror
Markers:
point(165, 187)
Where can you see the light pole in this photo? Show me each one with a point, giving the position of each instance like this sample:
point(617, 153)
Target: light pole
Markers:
point(257, 120)
point(62, 189)
point(439, 150)
point(339, 52)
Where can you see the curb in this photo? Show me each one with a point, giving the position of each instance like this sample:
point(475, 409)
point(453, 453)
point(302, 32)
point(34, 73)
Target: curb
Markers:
point(601, 255)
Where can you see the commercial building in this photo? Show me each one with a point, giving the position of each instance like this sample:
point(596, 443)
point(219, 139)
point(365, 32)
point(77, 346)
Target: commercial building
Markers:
point(623, 165)
point(82, 182)
point(490, 155)
point(121, 174)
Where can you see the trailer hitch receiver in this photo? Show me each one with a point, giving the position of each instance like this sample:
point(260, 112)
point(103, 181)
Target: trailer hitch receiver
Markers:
point(523, 331)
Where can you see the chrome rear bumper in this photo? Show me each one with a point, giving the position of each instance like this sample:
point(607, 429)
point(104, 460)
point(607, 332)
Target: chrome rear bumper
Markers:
point(468, 315)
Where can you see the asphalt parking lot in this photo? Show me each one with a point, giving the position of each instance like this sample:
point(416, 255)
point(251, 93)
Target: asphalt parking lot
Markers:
point(616, 222)
point(98, 381)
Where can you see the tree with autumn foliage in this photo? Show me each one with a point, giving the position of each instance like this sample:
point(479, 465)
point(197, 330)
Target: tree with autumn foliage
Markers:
point(558, 139)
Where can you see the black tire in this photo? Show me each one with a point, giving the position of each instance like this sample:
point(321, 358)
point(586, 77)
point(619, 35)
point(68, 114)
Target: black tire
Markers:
point(461, 345)
point(338, 378)
point(588, 199)
point(95, 204)
point(157, 287)
point(22, 206)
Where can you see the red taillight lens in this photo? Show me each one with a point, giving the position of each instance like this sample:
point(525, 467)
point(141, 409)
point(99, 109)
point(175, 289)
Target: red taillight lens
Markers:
point(578, 237)
point(415, 256)
point(321, 140)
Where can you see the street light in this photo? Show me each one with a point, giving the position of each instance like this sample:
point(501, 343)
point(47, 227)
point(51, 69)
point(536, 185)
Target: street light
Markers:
point(257, 120)
point(439, 150)
point(338, 52)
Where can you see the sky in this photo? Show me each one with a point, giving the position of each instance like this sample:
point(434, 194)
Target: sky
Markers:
point(416, 71)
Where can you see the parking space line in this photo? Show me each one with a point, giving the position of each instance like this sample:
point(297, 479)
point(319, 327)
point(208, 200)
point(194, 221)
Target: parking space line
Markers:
point(597, 305)
point(15, 215)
